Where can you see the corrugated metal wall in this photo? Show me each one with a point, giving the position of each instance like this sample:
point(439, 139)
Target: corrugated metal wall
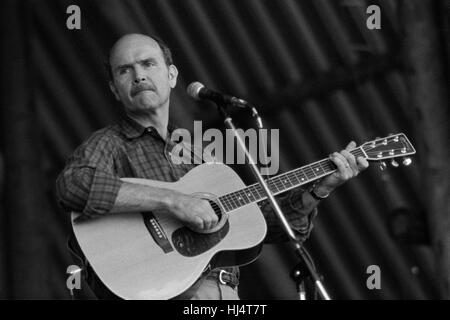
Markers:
point(315, 71)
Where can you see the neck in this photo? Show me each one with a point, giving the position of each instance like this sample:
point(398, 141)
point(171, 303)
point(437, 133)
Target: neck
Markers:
point(159, 119)
point(281, 183)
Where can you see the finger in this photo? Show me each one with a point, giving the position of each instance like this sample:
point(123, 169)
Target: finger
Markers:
point(210, 216)
point(210, 223)
point(198, 223)
point(351, 146)
point(342, 162)
point(351, 161)
point(214, 220)
point(206, 223)
point(342, 165)
point(362, 163)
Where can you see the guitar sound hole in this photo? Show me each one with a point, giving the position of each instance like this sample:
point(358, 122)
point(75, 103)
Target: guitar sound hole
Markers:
point(216, 208)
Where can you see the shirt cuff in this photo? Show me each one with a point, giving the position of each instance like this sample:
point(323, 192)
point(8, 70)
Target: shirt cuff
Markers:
point(102, 195)
point(303, 221)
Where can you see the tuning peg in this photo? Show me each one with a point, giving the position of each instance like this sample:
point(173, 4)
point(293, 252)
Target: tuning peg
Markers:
point(383, 165)
point(394, 163)
point(407, 161)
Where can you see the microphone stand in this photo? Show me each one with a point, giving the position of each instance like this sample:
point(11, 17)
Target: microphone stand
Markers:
point(299, 249)
point(299, 275)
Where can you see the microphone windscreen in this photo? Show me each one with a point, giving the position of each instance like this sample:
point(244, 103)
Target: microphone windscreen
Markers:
point(193, 89)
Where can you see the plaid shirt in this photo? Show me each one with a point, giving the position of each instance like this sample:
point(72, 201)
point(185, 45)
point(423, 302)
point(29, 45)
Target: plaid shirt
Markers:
point(91, 181)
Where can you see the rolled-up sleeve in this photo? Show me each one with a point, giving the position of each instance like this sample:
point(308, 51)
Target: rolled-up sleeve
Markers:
point(88, 183)
point(299, 218)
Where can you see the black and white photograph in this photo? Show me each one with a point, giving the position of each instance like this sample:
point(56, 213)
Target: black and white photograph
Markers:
point(242, 150)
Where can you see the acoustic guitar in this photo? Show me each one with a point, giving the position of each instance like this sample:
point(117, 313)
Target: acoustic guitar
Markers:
point(152, 255)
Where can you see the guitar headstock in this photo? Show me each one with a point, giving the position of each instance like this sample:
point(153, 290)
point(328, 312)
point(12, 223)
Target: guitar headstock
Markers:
point(390, 147)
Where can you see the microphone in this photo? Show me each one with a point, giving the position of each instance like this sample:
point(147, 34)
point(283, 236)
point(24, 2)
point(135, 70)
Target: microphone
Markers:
point(199, 92)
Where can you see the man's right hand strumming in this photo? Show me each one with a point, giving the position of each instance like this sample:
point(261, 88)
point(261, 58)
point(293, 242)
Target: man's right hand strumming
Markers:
point(197, 213)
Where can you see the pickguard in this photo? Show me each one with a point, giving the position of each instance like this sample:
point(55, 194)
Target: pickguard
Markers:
point(190, 243)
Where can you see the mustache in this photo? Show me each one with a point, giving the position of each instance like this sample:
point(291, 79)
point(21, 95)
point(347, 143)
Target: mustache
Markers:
point(141, 87)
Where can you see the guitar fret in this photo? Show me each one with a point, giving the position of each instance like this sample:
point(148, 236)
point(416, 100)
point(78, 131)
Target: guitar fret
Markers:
point(303, 177)
point(248, 195)
point(233, 201)
point(256, 192)
point(225, 203)
point(260, 191)
point(257, 187)
point(272, 186)
point(230, 203)
point(321, 166)
point(279, 183)
point(251, 190)
point(311, 169)
point(294, 176)
point(317, 169)
point(243, 195)
point(287, 178)
point(329, 164)
point(309, 172)
point(237, 200)
point(290, 181)
point(275, 183)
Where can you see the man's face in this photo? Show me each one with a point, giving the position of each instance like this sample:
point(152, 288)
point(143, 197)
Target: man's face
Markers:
point(141, 78)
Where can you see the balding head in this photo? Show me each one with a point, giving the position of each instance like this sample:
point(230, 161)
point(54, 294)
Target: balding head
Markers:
point(142, 74)
point(133, 39)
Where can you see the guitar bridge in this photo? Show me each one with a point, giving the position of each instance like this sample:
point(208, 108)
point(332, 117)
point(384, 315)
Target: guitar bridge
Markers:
point(157, 232)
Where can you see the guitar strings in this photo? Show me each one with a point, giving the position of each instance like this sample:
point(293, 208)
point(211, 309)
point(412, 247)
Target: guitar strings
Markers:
point(251, 194)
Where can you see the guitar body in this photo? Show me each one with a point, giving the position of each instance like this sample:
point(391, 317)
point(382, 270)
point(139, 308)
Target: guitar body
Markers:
point(154, 256)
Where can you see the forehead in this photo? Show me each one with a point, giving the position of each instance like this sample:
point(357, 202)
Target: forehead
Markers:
point(131, 49)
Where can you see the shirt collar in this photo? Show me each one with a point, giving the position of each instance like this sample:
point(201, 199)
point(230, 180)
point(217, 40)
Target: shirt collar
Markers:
point(132, 129)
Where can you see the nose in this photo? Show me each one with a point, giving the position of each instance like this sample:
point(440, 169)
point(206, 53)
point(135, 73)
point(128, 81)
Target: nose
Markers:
point(138, 76)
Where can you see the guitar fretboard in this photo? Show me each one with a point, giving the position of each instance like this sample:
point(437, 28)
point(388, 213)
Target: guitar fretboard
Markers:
point(281, 183)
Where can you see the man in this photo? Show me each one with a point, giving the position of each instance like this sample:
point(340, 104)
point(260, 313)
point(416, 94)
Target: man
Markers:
point(142, 75)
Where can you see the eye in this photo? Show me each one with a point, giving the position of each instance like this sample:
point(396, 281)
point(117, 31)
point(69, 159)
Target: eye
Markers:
point(149, 63)
point(123, 71)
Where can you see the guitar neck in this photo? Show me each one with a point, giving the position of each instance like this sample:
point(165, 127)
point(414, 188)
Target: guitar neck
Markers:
point(283, 182)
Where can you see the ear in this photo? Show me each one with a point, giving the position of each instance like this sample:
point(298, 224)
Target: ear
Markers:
point(173, 75)
point(114, 90)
